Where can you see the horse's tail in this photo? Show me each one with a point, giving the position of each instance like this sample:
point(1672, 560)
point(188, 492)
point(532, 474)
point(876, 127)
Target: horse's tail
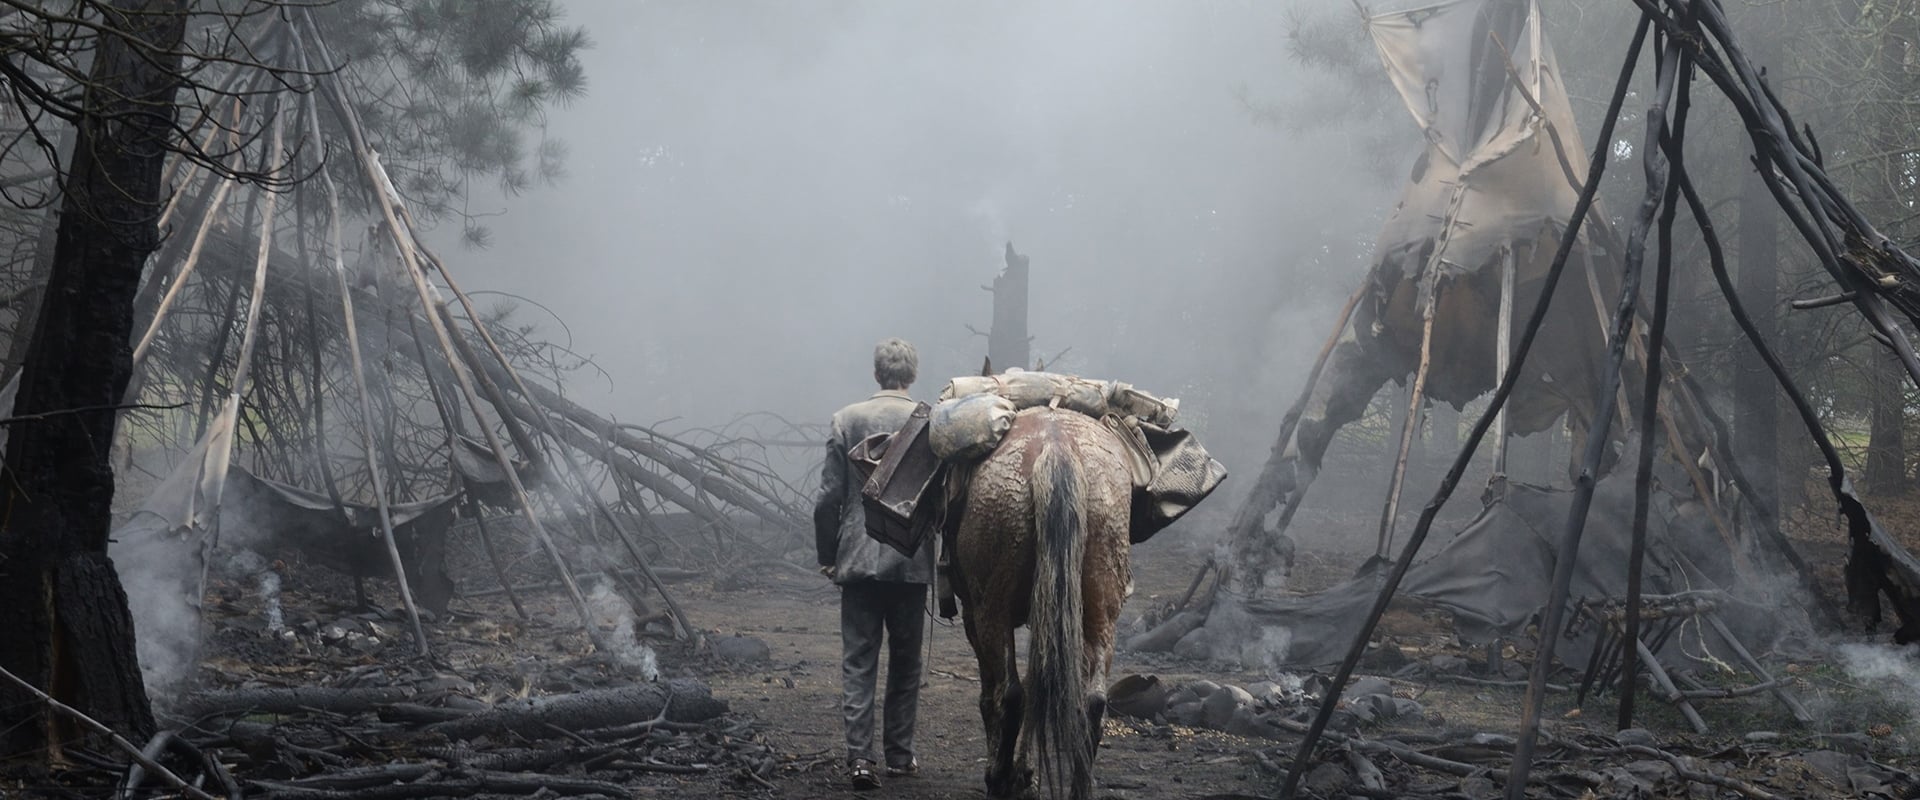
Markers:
point(1057, 721)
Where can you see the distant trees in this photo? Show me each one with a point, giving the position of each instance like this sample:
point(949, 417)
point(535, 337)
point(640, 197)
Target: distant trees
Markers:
point(453, 89)
point(1861, 78)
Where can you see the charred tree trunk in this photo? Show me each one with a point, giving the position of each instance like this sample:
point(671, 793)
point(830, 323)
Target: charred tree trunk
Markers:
point(1007, 343)
point(60, 599)
point(28, 303)
point(1756, 413)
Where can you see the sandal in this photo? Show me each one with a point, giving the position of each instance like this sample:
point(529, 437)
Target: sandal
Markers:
point(909, 769)
point(860, 773)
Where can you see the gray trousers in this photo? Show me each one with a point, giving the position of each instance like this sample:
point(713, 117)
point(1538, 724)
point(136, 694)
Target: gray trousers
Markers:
point(867, 608)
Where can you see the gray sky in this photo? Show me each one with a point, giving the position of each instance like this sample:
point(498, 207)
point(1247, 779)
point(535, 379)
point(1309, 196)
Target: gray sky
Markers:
point(758, 192)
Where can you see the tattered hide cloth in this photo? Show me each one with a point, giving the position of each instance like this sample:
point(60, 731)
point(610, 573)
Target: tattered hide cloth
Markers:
point(265, 515)
point(351, 544)
point(482, 477)
point(1490, 172)
point(1495, 573)
point(1490, 189)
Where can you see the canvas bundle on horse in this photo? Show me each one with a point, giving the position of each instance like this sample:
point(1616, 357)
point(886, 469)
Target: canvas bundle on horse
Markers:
point(1037, 532)
point(903, 485)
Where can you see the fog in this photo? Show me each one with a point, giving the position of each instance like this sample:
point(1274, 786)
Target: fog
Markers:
point(759, 192)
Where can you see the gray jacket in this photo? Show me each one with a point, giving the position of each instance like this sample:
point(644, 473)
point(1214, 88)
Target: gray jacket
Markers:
point(839, 519)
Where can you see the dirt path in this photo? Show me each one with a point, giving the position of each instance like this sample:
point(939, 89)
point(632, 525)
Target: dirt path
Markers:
point(790, 701)
point(796, 699)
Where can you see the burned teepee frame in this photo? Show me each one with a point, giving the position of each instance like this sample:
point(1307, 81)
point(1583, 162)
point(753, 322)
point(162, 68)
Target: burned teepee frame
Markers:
point(438, 400)
point(1693, 37)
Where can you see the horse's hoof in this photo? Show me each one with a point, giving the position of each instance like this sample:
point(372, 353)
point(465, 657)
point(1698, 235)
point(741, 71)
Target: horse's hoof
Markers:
point(997, 787)
point(1024, 784)
point(1029, 783)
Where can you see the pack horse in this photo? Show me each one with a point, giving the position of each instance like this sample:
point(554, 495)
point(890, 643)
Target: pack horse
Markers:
point(1051, 479)
point(1044, 543)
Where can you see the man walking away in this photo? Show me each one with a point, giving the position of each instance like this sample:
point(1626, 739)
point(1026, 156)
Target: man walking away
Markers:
point(880, 590)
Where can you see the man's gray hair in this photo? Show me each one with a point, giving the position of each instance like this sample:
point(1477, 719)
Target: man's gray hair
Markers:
point(895, 364)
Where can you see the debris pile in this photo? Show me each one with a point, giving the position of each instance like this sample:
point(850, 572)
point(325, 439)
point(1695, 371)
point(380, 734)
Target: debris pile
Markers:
point(1384, 743)
point(301, 700)
point(1257, 708)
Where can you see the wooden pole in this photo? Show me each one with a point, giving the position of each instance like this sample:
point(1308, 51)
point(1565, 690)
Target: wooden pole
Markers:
point(1675, 441)
point(1568, 552)
point(1664, 683)
point(186, 271)
point(1416, 412)
point(1800, 713)
point(546, 427)
point(1262, 500)
point(187, 265)
point(1266, 492)
point(493, 555)
point(368, 449)
point(521, 440)
point(387, 198)
point(1504, 356)
point(1650, 393)
point(626, 537)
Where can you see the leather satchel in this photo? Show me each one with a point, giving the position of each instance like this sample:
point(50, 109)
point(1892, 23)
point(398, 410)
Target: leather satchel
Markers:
point(896, 495)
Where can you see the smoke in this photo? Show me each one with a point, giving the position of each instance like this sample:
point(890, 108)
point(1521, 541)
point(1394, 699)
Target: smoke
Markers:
point(157, 570)
point(270, 593)
point(994, 229)
point(1893, 672)
point(773, 196)
point(609, 607)
point(1269, 649)
point(160, 570)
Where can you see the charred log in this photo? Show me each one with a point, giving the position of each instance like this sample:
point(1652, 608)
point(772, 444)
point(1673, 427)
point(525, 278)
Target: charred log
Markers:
point(289, 701)
point(681, 700)
point(379, 784)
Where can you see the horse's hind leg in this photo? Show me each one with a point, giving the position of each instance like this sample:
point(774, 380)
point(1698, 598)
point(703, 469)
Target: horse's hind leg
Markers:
point(1098, 657)
point(1002, 700)
point(1096, 700)
point(1009, 775)
point(1096, 716)
point(1097, 664)
point(1103, 594)
point(1011, 758)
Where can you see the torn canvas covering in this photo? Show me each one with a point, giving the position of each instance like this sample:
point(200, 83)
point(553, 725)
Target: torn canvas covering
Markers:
point(345, 538)
point(263, 514)
point(1493, 577)
point(482, 477)
point(1481, 81)
point(1491, 192)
